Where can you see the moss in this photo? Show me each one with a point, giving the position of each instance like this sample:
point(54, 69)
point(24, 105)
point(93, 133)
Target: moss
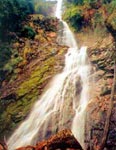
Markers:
point(16, 112)
point(27, 93)
point(36, 78)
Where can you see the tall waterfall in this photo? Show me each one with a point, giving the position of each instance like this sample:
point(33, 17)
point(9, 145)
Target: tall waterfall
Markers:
point(63, 104)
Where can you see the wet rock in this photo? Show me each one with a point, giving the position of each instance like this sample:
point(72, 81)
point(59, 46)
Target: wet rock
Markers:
point(98, 110)
point(112, 137)
point(78, 86)
point(105, 91)
point(26, 148)
point(96, 123)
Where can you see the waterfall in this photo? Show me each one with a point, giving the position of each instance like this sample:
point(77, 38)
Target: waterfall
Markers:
point(64, 103)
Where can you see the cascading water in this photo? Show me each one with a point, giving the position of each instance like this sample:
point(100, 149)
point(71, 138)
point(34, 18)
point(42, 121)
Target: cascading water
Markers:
point(63, 104)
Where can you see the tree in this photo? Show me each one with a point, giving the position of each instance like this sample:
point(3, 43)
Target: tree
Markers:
point(12, 13)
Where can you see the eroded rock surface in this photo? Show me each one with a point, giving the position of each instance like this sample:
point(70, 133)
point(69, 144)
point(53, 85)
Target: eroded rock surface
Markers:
point(99, 119)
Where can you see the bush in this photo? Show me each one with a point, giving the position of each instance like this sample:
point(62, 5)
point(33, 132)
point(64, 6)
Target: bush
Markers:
point(76, 2)
point(74, 16)
point(9, 59)
point(28, 32)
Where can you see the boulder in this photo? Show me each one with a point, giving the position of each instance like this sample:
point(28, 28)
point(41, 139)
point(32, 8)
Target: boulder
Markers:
point(62, 140)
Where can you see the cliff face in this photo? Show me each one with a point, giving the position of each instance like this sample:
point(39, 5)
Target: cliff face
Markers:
point(101, 101)
point(100, 126)
point(41, 58)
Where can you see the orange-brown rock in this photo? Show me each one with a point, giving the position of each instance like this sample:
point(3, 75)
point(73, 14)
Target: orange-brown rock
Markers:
point(26, 148)
point(3, 146)
point(100, 105)
point(62, 140)
point(52, 35)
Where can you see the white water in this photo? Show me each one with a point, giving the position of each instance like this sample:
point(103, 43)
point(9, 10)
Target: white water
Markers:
point(63, 104)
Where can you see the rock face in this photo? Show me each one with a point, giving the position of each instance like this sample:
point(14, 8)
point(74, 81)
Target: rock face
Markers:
point(100, 125)
point(100, 116)
point(111, 138)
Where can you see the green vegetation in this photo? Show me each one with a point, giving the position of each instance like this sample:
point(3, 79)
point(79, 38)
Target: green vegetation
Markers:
point(5, 53)
point(13, 25)
point(74, 16)
point(37, 77)
point(28, 64)
point(9, 59)
point(28, 91)
point(89, 13)
point(12, 13)
point(28, 32)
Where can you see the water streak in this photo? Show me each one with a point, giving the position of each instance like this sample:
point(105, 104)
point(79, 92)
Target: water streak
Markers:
point(64, 102)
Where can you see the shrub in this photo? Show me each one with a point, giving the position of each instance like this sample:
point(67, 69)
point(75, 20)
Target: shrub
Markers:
point(74, 16)
point(28, 32)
